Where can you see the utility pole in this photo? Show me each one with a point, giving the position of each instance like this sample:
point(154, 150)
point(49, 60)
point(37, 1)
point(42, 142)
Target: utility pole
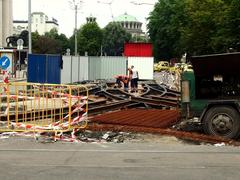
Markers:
point(75, 5)
point(75, 31)
point(29, 28)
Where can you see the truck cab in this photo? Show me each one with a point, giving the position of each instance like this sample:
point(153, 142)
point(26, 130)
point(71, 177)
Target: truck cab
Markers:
point(211, 92)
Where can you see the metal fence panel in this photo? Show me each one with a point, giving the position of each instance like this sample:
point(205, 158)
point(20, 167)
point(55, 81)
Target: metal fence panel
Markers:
point(66, 70)
point(75, 68)
point(37, 68)
point(35, 107)
point(53, 70)
point(94, 68)
point(144, 66)
point(83, 68)
point(111, 66)
point(44, 68)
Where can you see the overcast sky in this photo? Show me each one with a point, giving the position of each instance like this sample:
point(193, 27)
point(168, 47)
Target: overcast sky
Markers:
point(61, 10)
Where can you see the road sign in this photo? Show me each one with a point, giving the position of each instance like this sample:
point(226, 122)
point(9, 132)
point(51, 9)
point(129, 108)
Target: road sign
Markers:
point(4, 62)
point(20, 43)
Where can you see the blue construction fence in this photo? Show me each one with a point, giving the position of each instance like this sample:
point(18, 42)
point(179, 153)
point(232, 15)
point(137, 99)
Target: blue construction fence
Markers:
point(44, 68)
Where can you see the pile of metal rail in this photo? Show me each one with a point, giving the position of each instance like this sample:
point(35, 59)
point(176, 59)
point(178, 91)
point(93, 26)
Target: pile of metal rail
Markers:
point(154, 109)
point(150, 96)
point(153, 106)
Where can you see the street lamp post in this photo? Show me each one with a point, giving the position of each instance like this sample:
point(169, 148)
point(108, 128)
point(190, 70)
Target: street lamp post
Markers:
point(75, 6)
point(29, 28)
point(75, 31)
point(20, 43)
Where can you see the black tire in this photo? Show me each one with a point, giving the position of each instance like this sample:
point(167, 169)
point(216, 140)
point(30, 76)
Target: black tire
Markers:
point(222, 121)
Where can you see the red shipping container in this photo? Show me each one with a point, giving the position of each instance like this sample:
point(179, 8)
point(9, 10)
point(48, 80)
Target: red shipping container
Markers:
point(138, 49)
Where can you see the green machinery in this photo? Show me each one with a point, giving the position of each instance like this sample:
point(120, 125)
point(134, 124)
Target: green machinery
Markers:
point(212, 93)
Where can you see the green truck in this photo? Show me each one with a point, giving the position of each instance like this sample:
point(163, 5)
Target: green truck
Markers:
point(212, 93)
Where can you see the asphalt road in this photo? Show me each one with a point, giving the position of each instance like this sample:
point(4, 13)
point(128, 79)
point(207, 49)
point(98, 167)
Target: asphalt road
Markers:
point(25, 159)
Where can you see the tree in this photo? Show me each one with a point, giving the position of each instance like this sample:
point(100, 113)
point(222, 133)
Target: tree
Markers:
point(165, 25)
point(46, 45)
point(89, 38)
point(194, 26)
point(232, 24)
point(114, 37)
point(53, 33)
point(63, 42)
point(35, 37)
point(204, 31)
point(51, 42)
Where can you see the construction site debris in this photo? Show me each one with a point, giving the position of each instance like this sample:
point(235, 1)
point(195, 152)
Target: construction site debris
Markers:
point(140, 117)
point(189, 125)
point(114, 115)
point(169, 79)
point(219, 144)
point(85, 136)
point(168, 132)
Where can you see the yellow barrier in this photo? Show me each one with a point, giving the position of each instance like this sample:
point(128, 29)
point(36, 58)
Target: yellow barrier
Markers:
point(33, 107)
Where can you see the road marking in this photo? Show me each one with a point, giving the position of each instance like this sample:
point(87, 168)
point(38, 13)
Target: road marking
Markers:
point(126, 165)
point(118, 151)
point(116, 166)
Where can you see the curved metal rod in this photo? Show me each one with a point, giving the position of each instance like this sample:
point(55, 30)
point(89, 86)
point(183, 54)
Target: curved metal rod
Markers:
point(147, 90)
point(109, 95)
point(161, 92)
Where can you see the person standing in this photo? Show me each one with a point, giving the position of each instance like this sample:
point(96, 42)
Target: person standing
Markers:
point(134, 80)
point(130, 72)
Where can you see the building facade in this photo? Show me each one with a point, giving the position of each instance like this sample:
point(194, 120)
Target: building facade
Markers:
point(6, 21)
point(91, 19)
point(40, 24)
point(130, 24)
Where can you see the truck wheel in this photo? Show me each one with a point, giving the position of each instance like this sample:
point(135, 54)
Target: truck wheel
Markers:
point(222, 121)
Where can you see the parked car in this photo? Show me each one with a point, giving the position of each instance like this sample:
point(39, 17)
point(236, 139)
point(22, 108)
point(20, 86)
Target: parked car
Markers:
point(162, 66)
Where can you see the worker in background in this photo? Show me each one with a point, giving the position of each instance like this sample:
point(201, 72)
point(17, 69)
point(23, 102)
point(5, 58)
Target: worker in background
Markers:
point(134, 79)
point(122, 79)
point(130, 75)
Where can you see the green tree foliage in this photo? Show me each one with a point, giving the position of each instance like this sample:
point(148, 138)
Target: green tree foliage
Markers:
point(62, 41)
point(50, 43)
point(203, 33)
point(35, 37)
point(46, 45)
point(232, 24)
point(166, 22)
point(53, 33)
point(194, 26)
point(114, 37)
point(89, 38)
